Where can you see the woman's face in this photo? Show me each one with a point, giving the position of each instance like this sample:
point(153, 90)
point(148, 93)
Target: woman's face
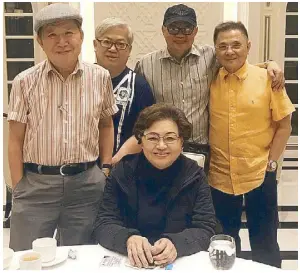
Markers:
point(161, 143)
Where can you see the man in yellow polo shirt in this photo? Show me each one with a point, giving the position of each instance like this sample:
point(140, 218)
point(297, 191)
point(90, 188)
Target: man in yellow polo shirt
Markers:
point(249, 128)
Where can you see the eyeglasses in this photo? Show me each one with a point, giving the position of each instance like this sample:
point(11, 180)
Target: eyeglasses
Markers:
point(183, 30)
point(224, 47)
point(168, 138)
point(108, 44)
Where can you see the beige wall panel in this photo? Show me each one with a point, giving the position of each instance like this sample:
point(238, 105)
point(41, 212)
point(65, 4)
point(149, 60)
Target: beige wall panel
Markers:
point(146, 21)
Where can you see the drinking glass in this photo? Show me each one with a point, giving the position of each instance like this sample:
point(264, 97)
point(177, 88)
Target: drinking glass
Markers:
point(222, 251)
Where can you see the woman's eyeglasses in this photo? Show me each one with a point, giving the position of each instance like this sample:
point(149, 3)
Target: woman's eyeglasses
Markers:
point(108, 44)
point(168, 138)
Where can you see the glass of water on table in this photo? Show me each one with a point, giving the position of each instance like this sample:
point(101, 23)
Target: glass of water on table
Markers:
point(222, 251)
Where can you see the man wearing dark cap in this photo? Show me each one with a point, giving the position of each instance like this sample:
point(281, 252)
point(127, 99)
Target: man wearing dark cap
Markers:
point(60, 122)
point(181, 73)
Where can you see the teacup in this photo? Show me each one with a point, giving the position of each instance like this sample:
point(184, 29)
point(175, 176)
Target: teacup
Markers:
point(46, 247)
point(30, 261)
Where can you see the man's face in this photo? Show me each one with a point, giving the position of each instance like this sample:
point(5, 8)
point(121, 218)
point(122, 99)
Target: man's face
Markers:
point(61, 43)
point(179, 43)
point(232, 48)
point(113, 58)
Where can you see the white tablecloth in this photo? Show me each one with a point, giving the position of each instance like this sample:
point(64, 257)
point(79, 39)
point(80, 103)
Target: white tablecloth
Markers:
point(90, 256)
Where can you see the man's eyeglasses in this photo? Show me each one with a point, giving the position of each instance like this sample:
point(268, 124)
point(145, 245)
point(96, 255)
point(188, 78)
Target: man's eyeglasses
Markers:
point(224, 47)
point(108, 44)
point(184, 30)
point(168, 138)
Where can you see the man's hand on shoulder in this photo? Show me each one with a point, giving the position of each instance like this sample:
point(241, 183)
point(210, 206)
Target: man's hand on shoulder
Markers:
point(276, 75)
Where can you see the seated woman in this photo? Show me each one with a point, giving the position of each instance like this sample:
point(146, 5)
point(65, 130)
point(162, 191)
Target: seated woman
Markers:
point(157, 204)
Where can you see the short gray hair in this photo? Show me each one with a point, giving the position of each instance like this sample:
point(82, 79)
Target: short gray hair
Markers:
point(110, 23)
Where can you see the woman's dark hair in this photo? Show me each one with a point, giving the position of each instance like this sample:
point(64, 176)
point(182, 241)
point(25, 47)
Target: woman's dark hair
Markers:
point(230, 25)
point(158, 112)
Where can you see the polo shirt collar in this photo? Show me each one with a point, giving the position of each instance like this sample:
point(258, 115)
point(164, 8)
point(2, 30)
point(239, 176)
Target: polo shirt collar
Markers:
point(241, 74)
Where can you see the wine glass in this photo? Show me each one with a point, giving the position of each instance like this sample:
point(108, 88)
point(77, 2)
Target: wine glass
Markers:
point(222, 251)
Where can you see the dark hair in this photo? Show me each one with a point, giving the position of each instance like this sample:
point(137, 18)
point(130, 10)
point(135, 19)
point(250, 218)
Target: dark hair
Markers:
point(158, 112)
point(230, 25)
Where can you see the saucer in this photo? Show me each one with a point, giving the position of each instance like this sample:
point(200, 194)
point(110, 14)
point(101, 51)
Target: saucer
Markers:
point(13, 266)
point(61, 255)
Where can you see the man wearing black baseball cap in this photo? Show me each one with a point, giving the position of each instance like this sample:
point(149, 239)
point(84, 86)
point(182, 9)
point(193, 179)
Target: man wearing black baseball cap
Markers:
point(179, 29)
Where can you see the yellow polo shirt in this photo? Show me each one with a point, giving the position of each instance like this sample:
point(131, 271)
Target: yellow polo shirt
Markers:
point(242, 110)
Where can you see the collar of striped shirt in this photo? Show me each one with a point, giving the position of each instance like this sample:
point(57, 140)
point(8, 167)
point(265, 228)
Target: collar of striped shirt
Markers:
point(78, 68)
point(166, 54)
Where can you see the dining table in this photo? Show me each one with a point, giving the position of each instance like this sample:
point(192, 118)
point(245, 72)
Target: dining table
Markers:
point(86, 258)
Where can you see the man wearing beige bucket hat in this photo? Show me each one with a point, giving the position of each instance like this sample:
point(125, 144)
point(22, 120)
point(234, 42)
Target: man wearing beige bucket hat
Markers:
point(60, 123)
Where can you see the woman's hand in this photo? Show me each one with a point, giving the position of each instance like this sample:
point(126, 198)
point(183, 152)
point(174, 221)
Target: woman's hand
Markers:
point(139, 251)
point(163, 252)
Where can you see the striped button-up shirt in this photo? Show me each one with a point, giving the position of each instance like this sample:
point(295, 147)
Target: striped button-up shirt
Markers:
point(61, 116)
point(185, 84)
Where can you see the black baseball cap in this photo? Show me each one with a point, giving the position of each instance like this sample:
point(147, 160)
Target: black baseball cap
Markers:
point(180, 13)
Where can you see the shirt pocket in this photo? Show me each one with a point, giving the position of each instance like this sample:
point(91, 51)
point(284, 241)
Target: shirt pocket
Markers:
point(37, 107)
point(201, 82)
point(202, 78)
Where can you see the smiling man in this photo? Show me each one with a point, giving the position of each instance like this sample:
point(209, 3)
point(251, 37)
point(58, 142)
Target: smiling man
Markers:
point(249, 128)
point(60, 123)
point(113, 44)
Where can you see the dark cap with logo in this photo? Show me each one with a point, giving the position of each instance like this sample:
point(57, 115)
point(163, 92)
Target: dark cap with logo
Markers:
point(180, 13)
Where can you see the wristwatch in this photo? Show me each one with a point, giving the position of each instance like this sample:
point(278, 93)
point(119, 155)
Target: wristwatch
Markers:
point(106, 169)
point(106, 166)
point(272, 166)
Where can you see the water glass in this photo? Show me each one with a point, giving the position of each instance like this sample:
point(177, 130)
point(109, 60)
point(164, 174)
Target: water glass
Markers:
point(222, 251)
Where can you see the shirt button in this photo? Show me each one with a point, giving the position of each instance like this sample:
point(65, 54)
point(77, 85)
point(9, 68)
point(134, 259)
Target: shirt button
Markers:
point(183, 101)
point(181, 83)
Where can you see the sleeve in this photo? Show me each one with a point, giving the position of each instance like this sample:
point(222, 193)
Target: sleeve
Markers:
point(145, 97)
point(203, 226)
point(109, 107)
point(109, 229)
point(18, 106)
point(281, 104)
point(215, 63)
point(138, 68)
